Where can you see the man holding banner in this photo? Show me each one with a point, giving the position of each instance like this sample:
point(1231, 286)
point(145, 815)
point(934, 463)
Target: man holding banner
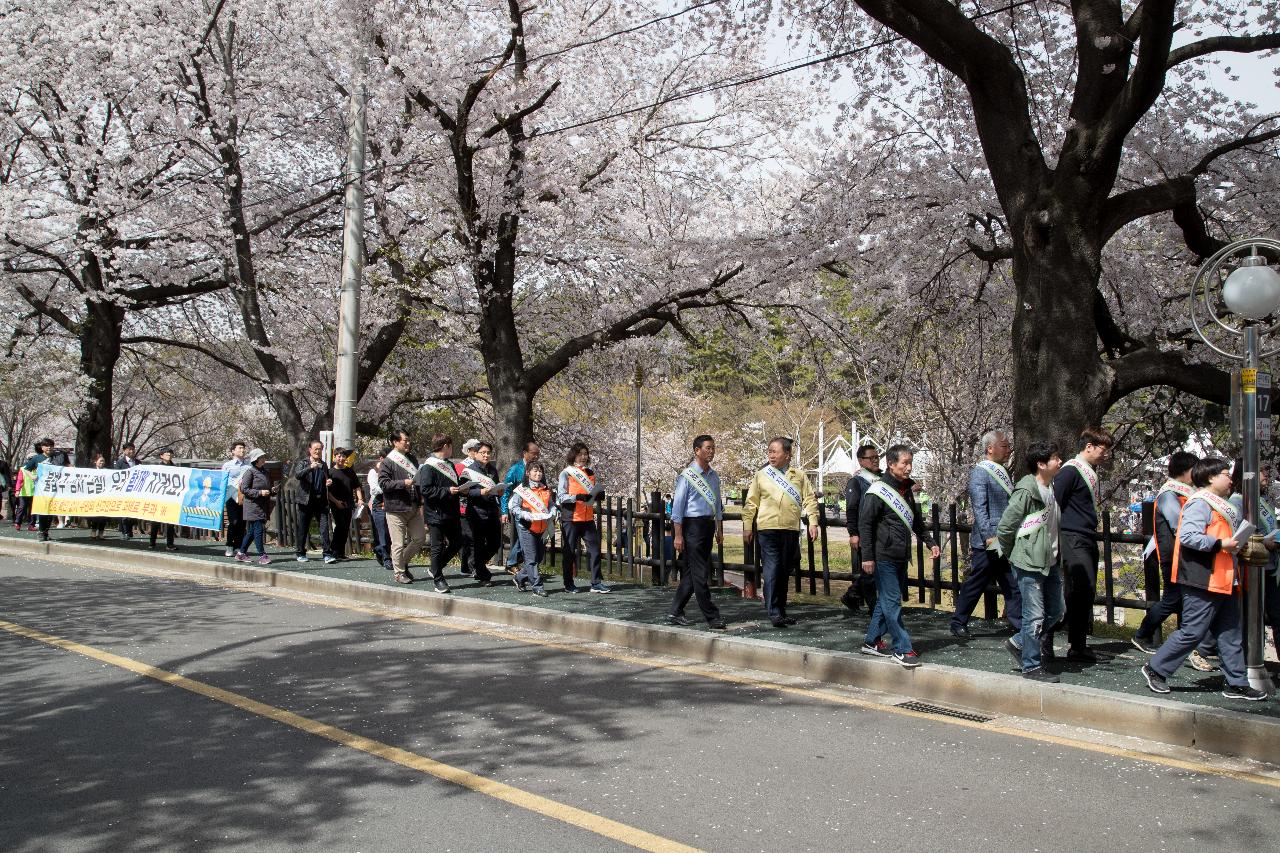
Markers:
point(887, 518)
point(778, 498)
point(989, 489)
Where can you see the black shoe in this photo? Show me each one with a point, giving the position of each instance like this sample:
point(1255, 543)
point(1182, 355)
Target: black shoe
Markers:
point(466, 573)
point(540, 592)
point(1040, 674)
point(44, 537)
point(717, 625)
point(1047, 652)
point(781, 623)
point(1081, 655)
point(1143, 644)
point(850, 600)
point(521, 586)
point(1243, 691)
point(1012, 649)
point(1154, 680)
point(677, 619)
point(442, 587)
point(960, 632)
point(171, 547)
point(789, 620)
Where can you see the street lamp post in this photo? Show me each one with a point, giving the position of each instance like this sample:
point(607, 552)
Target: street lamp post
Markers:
point(1252, 292)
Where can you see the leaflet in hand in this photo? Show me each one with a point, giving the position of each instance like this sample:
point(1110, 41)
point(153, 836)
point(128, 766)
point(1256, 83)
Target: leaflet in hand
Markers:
point(1271, 537)
point(539, 516)
point(1243, 532)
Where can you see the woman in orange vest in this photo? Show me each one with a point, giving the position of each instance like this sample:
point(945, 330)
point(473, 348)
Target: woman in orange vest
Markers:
point(576, 495)
point(530, 506)
point(1204, 564)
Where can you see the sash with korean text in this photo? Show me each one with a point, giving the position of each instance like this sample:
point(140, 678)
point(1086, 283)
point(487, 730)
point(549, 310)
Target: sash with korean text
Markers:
point(782, 484)
point(900, 507)
point(999, 474)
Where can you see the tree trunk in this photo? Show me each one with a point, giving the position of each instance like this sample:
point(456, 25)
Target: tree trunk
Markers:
point(1060, 384)
point(512, 418)
point(100, 334)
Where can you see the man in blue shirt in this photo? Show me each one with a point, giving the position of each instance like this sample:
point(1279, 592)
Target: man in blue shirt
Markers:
point(697, 517)
point(989, 489)
point(514, 477)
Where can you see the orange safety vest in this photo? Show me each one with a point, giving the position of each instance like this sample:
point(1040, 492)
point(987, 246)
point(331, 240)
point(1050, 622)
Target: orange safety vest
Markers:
point(1223, 577)
point(544, 495)
point(1182, 501)
point(582, 510)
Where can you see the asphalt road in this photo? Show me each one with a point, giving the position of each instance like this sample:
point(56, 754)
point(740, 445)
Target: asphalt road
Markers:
point(96, 757)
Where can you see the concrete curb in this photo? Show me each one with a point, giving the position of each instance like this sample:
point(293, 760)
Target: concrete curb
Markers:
point(1214, 730)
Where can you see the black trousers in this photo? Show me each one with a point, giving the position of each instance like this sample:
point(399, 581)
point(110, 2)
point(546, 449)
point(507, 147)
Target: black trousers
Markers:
point(235, 523)
point(984, 566)
point(341, 531)
point(1079, 555)
point(486, 539)
point(466, 552)
point(445, 539)
point(586, 533)
point(1169, 603)
point(699, 536)
point(168, 533)
point(315, 511)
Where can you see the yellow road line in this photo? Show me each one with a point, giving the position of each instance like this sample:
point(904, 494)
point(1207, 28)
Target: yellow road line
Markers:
point(518, 797)
point(730, 678)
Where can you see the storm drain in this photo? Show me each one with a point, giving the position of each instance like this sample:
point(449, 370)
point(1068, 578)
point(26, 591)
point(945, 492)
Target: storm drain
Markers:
point(926, 708)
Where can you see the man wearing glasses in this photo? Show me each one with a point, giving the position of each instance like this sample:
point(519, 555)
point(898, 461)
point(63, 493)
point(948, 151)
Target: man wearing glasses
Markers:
point(863, 588)
point(989, 489)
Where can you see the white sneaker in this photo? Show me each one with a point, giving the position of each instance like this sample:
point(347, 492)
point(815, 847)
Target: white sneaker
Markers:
point(302, 559)
point(231, 552)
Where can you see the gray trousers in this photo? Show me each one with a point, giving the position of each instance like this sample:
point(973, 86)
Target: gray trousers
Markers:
point(1205, 614)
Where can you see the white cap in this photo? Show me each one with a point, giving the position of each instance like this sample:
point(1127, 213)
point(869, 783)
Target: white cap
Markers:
point(470, 444)
point(256, 454)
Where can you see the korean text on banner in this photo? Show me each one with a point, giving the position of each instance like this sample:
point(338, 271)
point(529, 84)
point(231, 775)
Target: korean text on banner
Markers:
point(192, 497)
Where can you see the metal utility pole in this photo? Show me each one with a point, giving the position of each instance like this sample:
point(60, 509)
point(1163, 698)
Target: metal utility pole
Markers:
point(639, 410)
point(346, 393)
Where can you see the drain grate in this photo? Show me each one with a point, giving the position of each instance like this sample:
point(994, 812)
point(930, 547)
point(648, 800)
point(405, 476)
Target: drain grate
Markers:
point(926, 708)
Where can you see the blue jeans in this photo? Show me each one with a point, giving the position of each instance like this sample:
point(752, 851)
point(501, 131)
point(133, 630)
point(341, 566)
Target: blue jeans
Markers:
point(887, 617)
point(532, 548)
point(1043, 604)
point(381, 536)
point(778, 550)
point(253, 533)
point(513, 555)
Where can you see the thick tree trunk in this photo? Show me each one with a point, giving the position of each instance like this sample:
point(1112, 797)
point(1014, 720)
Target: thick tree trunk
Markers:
point(1060, 384)
point(513, 420)
point(100, 334)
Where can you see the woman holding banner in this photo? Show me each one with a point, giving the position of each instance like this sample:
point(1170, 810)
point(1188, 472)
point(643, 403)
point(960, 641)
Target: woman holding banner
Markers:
point(98, 524)
point(777, 500)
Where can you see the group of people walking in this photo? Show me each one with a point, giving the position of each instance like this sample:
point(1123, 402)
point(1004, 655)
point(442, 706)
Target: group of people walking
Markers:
point(1035, 538)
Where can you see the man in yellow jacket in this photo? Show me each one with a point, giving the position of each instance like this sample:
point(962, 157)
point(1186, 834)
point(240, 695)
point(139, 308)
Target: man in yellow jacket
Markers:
point(778, 498)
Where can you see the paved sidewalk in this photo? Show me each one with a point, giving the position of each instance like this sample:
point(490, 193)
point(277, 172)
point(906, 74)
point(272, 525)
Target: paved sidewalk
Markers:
point(819, 626)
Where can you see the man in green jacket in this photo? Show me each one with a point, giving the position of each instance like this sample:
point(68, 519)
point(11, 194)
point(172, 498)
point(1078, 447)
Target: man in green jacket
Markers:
point(1028, 536)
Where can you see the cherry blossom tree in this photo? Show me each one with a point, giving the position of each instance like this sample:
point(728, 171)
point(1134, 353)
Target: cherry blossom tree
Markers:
point(1042, 139)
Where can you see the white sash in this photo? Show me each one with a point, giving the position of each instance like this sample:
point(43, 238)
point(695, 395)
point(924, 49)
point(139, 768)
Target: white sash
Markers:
point(1089, 476)
point(403, 461)
point(869, 476)
point(783, 484)
point(1266, 515)
point(695, 478)
point(444, 467)
point(1219, 505)
point(1177, 487)
point(478, 476)
point(1032, 523)
point(583, 478)
point(900, 507)
point(529, 496)
point(999, 474)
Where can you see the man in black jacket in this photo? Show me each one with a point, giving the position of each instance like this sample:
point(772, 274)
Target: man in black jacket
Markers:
point(886, 519)
point(863, 587)
point(483, 515)
point(437, 482)
point(312, 498)
point(128, 459)
point(166, 458)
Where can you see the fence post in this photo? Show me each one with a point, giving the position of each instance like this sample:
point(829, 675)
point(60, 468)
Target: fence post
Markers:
point(658, 538)
point(608, 524)
point(813, 570)
point(1109, 576)
point(631, 536)
point(826, 566)
point(920, 584)
point(954, 537)
point(935, 596)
